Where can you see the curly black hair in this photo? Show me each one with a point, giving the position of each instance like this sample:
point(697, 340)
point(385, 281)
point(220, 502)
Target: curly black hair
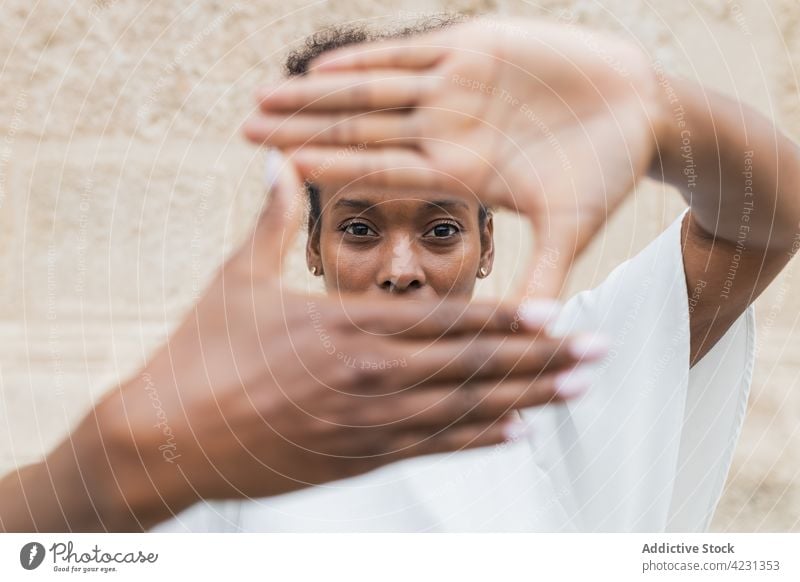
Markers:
point(342, 35)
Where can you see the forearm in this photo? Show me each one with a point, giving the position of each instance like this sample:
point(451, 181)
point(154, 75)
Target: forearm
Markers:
point(740, 175)
point(90, 482)
point(60, 493)
point(33, 498)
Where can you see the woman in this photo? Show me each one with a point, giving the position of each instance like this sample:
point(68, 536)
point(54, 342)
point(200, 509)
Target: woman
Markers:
point(649, 446)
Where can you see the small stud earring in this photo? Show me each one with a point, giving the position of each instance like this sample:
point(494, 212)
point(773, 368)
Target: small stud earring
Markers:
point(483, 272)
point(314, 271)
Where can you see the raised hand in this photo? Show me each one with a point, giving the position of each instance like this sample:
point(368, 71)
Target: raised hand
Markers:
point(552, 121)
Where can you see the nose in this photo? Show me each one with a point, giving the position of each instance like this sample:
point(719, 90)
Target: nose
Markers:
point(402, 270)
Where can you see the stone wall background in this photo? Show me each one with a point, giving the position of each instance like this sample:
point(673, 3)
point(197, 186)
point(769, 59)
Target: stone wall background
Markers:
point(123, 182)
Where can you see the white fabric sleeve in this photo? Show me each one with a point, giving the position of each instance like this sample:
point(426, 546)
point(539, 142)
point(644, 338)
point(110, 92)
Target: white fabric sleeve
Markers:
point(203, 516)
point(716, 404)
point(649, 446)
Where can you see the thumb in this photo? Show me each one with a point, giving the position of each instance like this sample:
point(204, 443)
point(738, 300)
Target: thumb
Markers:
point(263, 253)
point(556, 248)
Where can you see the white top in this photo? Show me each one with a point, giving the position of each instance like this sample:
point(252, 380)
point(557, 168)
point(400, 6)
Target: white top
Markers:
point(648, 447)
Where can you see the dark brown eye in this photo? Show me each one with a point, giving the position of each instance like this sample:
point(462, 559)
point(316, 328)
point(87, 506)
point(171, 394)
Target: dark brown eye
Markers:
point(443, 230)
point(359, 229)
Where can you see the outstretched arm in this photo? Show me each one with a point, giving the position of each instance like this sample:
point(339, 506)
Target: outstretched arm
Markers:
point(741, 177)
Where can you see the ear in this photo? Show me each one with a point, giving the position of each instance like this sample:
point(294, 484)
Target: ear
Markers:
point(313, 254)
point(487, 246)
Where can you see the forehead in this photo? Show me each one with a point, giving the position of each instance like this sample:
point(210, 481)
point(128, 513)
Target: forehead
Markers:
point(384, 199)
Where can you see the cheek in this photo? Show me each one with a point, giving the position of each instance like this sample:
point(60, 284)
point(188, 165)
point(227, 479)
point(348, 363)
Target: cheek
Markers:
point(347, 269)
point(454, 272)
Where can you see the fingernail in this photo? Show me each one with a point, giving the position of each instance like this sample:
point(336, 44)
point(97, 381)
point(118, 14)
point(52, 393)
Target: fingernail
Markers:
point(272, 167)
point(572, 383)
point(515, 430)
point(589, 346)
point(537, 314)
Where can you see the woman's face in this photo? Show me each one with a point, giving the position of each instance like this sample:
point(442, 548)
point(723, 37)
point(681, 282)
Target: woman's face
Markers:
point(424, 247)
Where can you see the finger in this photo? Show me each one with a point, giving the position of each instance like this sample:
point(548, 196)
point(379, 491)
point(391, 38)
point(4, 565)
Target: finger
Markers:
point(277, 224)
point(327, 129)
point(479, 401)
point(492, 356)
point(380, 167)
point(415, 53)
point(449, 317)
point(550, 263)
point(349, 91)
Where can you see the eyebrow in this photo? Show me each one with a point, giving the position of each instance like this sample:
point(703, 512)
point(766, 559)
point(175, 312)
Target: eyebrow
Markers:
point(432, 204)
point(447, 204)
point(352, 203)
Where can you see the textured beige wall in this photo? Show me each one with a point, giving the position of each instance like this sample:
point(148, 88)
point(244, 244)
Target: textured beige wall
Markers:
point(123, 180)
